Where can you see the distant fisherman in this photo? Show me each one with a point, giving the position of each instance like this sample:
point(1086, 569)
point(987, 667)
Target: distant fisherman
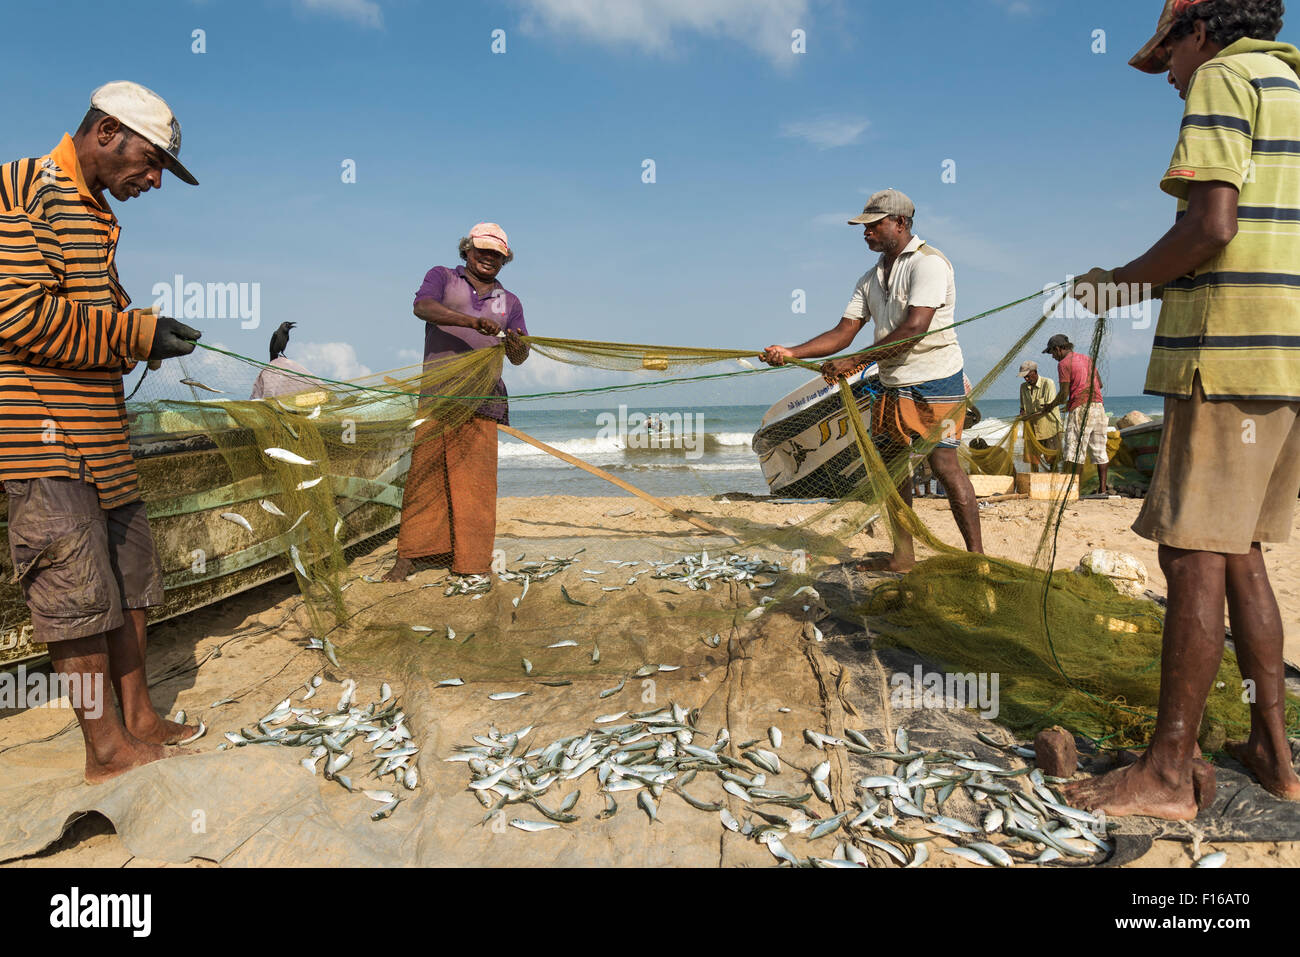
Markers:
point(1086, 422)
point(271, 381)
point(1226, 359)
point(449, 506)
point(1038, 406)
point(910, 294)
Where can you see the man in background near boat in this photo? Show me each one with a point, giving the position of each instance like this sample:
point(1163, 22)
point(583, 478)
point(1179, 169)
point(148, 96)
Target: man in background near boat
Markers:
point(910, 295)
point(1086, 423)
point(1227, 361)
point(78, 534)
point(1038, 409)
point(449, 506)
point(286, 377)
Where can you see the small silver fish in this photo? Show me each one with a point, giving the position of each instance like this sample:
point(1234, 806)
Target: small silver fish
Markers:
point(237, 519)
point(450, 683)
point(269, 506)
point(308, 483)
point(595, 655)
point(774, 735)
point(315, 413)
point(567, 643)
point(507, 695)
point(297, 562)
point(297, 521)
point(532, 826)
point(284, 455)
point(614, 690)
point(199, 385)
point(383, 797)
point(647, 804)
point(528, 666)
point(1217, 859)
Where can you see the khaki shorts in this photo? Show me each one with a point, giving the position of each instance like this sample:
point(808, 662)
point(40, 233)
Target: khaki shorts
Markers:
point(1227, 474)
point(78, 564)
point(1085, 432)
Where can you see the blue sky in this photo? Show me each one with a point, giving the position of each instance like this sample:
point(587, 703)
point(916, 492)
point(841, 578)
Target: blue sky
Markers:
point(760, 155)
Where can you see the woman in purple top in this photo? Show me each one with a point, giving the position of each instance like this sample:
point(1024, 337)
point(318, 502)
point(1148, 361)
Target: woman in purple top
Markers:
point(449, 504)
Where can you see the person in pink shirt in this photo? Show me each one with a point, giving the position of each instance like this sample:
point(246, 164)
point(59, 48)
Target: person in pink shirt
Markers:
point(1086, 422)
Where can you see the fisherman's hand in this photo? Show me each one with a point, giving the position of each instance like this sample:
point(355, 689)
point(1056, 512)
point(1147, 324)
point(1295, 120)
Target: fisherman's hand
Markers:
point(776, 355)
point(172, 339)
point(489, 327)
point(836, 369)
point(516, 348)
point(1098, 292)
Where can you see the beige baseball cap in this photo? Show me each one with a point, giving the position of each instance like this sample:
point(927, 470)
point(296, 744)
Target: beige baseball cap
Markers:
point(1149, 58)
point(1027, 367)
point(143, 111)
point(490, 236)
point(887, 202)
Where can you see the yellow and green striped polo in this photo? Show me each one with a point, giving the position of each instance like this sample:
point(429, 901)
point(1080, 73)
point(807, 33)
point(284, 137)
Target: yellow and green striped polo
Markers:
point(1236, 319)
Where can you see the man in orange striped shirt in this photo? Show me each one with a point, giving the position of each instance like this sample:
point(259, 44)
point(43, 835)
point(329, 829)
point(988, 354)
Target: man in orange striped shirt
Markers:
point(78, 534)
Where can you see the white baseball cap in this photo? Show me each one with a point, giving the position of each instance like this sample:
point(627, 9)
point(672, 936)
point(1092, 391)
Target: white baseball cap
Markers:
point(490, 236)
point(143, 111)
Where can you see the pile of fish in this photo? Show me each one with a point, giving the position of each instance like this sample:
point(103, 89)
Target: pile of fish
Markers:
point(698, 572)
point(526, 573)
point(656, 752)
point(381, 725)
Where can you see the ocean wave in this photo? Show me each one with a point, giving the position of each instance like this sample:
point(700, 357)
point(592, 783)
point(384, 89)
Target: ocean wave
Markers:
point(634, 446)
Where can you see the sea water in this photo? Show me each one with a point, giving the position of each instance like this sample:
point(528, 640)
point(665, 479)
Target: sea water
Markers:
point(704, 450)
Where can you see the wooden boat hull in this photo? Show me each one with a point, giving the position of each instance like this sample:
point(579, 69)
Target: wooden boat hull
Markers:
point(1142, 443)
point(186, 483)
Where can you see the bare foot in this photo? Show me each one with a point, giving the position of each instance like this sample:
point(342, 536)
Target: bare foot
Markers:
point(885, 564)
point(160, 730)
point(400, 571)
point(130, 755)
point(1137, 789)
point(1204, 780)
point(1273, 771)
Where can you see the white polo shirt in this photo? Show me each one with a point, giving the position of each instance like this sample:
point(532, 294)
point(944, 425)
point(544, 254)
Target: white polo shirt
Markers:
point(922, 276)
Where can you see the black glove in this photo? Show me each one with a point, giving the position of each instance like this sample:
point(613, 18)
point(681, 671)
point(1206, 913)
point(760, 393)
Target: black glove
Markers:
point(172, 339)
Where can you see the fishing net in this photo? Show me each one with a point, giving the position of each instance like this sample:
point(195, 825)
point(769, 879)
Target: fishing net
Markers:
point(241, 491)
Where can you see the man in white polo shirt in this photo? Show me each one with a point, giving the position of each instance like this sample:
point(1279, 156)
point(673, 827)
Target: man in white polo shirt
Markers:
point(910, 295)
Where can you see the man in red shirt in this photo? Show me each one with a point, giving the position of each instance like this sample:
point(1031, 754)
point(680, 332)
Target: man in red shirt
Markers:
point(1086, 422)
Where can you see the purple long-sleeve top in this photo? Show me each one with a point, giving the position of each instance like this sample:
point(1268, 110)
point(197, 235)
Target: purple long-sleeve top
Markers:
point(450, 287)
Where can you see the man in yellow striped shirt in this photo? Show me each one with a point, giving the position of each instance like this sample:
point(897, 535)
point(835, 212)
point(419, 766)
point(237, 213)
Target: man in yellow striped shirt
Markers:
point(1227, 360)
point(78, 534)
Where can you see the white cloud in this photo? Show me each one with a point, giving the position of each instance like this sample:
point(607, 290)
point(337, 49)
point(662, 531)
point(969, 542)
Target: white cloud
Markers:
point(833, 219)
point(653, 25)
point(827, 132)
point(973, 248)
point(1017, 8)
point(365, 13)
point(329, 360)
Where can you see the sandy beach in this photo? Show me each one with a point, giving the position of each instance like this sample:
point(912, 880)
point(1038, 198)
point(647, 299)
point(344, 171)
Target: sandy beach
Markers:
point(256, 638)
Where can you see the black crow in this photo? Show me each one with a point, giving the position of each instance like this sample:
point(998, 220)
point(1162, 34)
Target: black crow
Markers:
point(280, 339)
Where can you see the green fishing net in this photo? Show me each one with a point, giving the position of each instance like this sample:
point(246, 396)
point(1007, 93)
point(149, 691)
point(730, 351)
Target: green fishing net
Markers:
point(318, 471)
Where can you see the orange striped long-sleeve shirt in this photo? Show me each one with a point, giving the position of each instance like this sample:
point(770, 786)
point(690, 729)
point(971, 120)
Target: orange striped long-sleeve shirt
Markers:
point(66, 336)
